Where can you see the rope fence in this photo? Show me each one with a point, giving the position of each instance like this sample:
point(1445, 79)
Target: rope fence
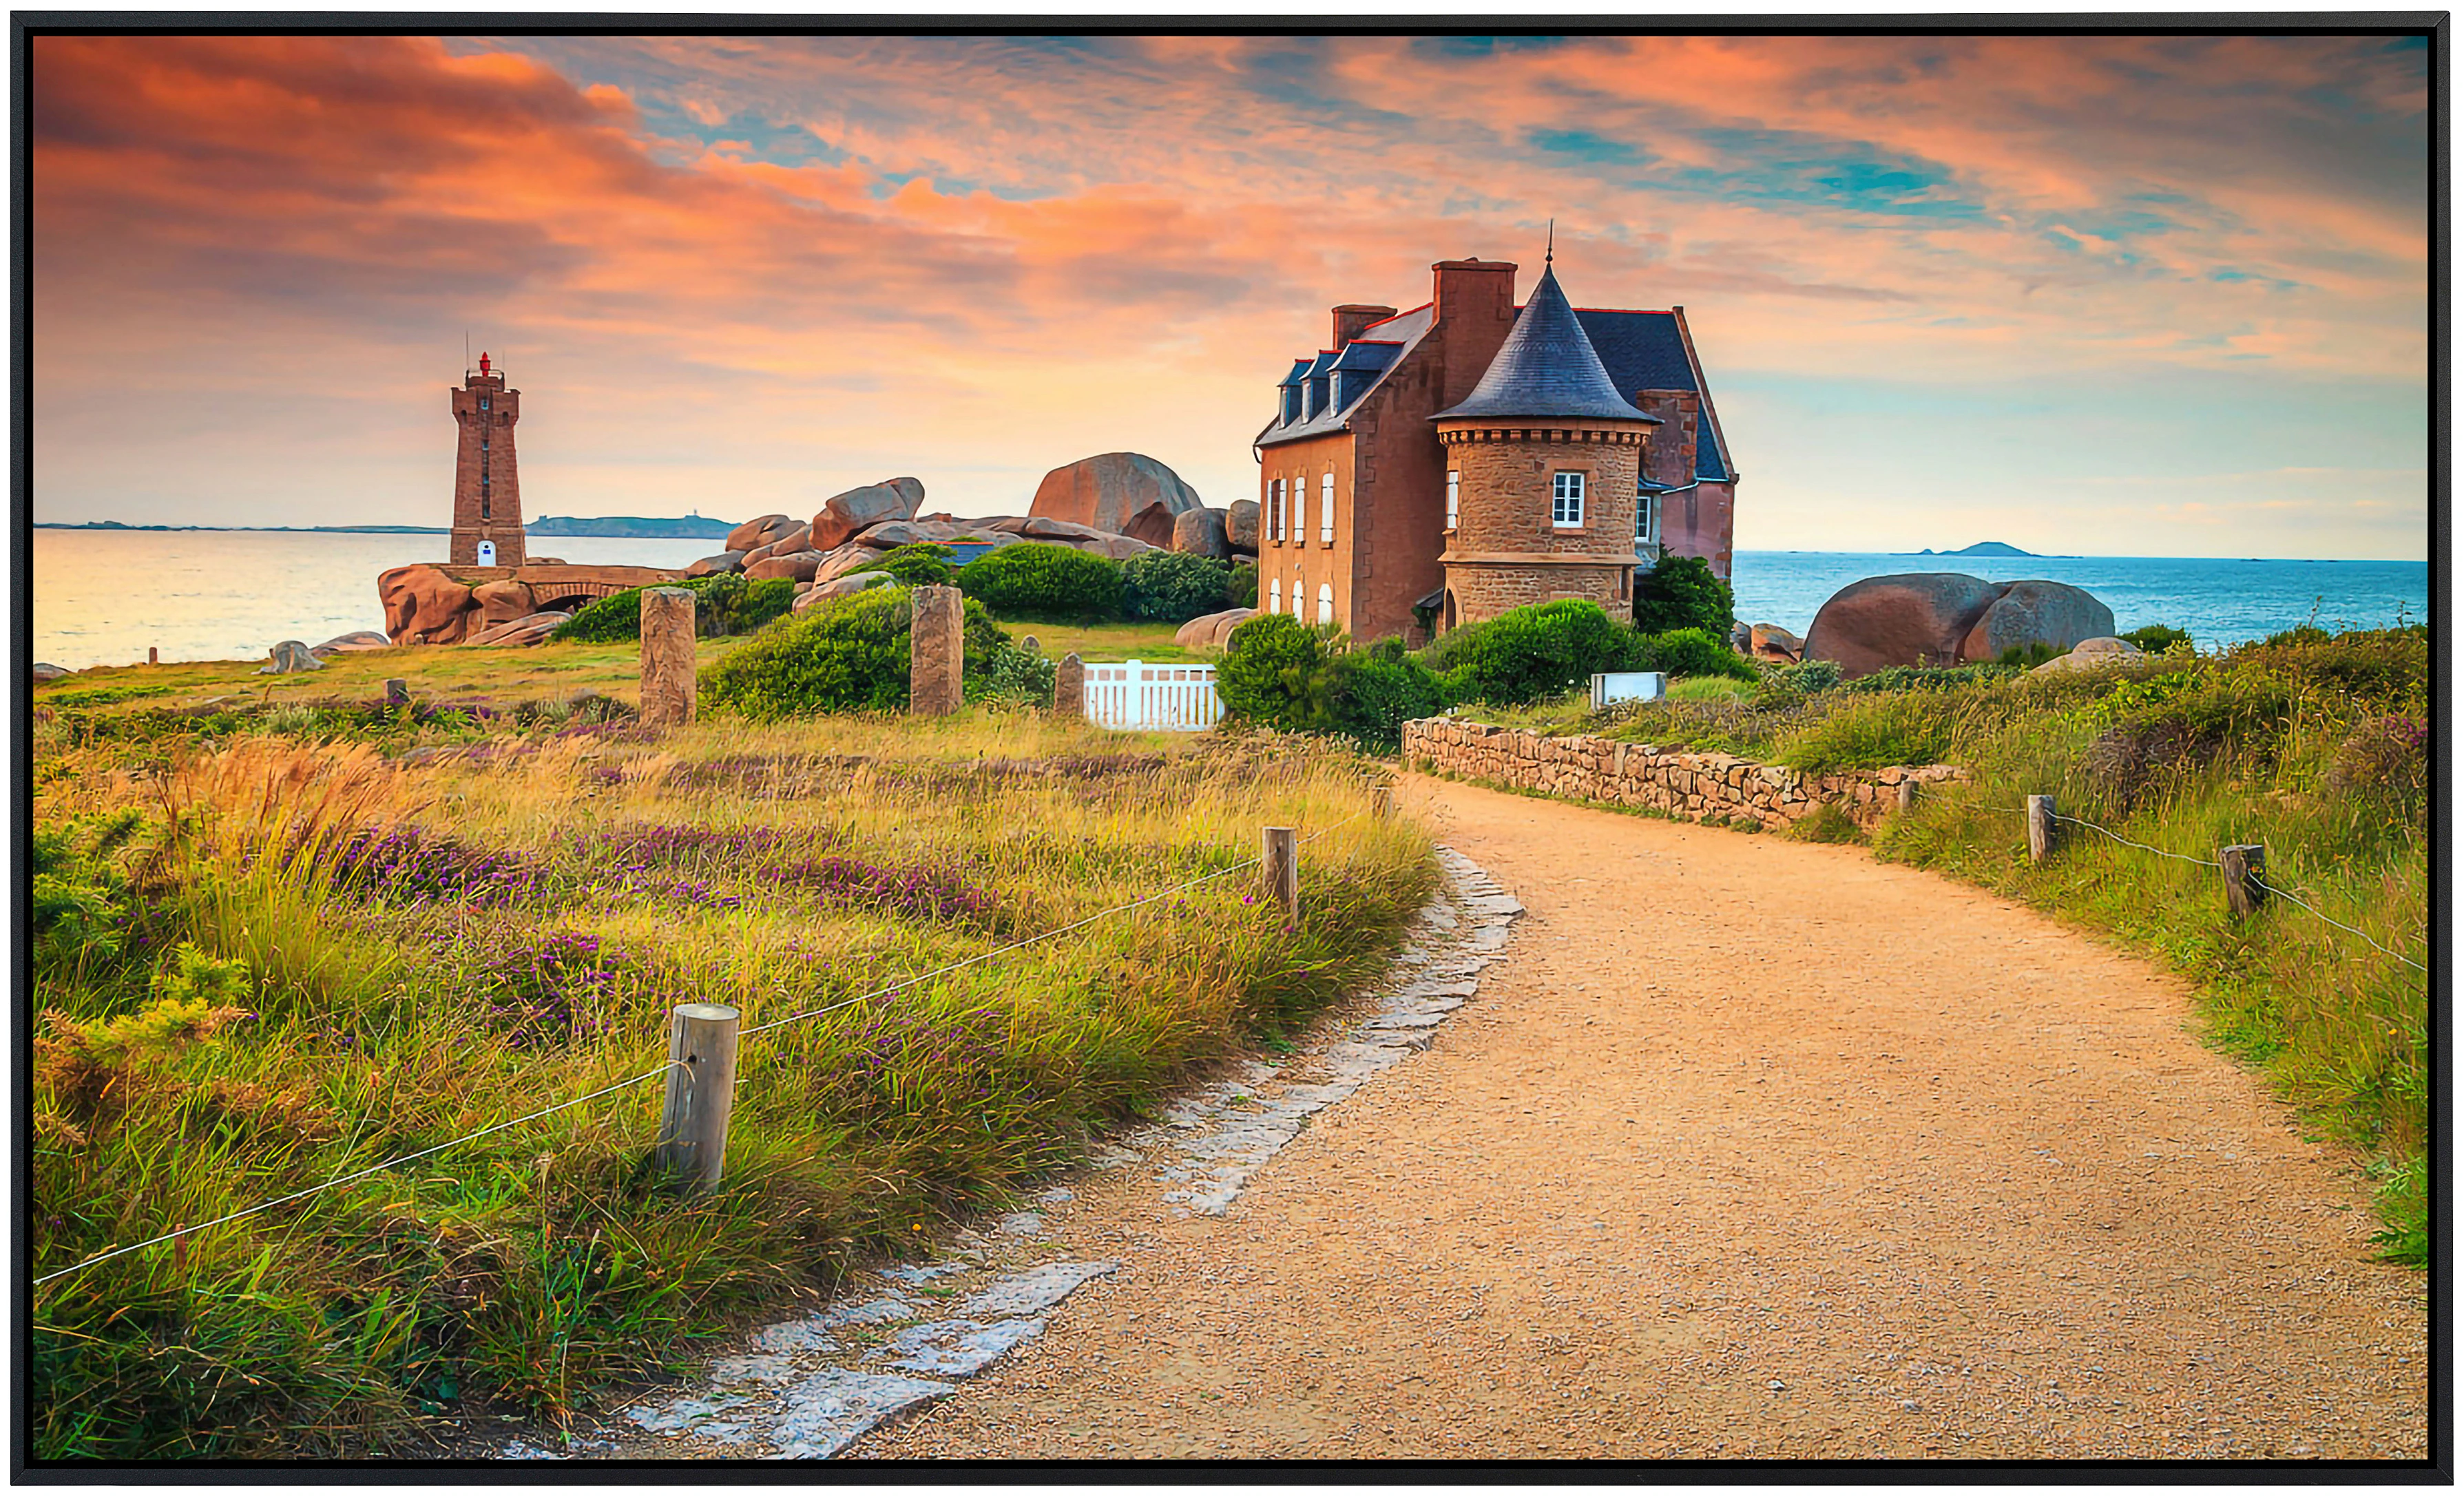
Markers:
point(2246, 886)
point(684, 1063)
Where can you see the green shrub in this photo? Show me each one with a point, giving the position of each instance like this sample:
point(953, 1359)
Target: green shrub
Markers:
point(723, 605)
point(1371, 693)
point(2155, 638)
point(1827, 823)
point(2027, 656)
point(79, 895)
point(1695, 651)
point(922, 564)
point(1806, 678)
point(1240, 589)
point(1682, 592)
point(1173, 587)
point(848, 654)
point(1024, 677)
point(1045, 582)
point(1531, 654)
point(1929, 677)
point(845, 655)
point(1273, 674)
point(1912, 728)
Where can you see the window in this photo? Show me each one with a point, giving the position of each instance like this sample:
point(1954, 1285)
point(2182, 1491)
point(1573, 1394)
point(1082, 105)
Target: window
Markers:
point(483, 402)
point(1296, 597)
point(1325, 509)
point(1453, 499)
point(1275, 510)
point(1326, 603)
point(1275, 596)
point(1566, 507)
point(1646, 524)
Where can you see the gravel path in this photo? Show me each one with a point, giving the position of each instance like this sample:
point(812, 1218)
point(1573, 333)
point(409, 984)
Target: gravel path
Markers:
point(1746, 1147)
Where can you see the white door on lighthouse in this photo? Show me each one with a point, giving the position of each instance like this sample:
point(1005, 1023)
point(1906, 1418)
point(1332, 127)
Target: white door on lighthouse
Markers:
point(487, 553)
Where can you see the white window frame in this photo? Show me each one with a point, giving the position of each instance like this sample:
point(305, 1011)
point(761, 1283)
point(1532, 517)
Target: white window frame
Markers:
point(1453, 499)
point(1646, 524)
point(1275, 596)
point(1274, 510)
point(1563, 515)
point(1326, 601)
point(1299, 588)
point(1325, 509)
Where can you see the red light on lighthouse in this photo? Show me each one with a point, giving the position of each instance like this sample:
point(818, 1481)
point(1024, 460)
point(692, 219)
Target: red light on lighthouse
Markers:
point(483, 364)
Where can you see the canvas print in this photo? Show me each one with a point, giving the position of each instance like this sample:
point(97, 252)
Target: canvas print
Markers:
point(1683, 749)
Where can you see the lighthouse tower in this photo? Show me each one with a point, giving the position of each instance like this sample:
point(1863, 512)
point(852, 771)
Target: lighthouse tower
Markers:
point(486, 493)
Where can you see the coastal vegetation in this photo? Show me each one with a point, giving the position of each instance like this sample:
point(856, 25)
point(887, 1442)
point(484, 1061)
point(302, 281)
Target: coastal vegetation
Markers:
point(2315, 746)
point(284, 932)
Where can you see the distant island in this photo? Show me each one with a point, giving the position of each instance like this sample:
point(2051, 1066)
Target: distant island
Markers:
point(1982, 548)
point(629, 527)
point(276, 529)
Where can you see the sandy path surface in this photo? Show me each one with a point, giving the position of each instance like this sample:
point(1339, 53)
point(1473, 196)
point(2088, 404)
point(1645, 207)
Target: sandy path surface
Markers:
point(1748, 1148)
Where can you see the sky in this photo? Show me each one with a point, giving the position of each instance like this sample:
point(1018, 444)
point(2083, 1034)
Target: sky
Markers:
point(2118, 295)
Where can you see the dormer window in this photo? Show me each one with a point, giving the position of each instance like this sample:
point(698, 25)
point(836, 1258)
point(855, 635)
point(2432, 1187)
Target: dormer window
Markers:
point(1292, 404)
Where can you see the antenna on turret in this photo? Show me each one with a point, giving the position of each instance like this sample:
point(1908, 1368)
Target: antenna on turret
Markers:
point(465, 350)
point(1550, 259)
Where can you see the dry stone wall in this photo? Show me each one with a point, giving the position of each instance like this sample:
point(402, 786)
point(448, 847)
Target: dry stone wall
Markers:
point(1695, 786)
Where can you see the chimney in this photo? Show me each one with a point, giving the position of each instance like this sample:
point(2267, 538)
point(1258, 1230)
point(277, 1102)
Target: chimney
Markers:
point(1669, 457)
point(1473, 312)
point(1351, 317)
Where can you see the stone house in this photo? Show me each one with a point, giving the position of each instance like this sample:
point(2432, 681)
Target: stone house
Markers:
point(1438, 466)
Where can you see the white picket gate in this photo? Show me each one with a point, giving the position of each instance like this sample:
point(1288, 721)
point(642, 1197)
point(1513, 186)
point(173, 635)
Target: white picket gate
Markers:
point(1131, 694)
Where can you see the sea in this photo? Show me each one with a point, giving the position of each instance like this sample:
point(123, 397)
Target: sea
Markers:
point(104, 597)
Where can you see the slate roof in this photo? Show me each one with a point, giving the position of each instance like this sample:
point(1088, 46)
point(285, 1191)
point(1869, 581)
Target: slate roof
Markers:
point(1404, 331)
point(1547, 370)
point(1643, 350)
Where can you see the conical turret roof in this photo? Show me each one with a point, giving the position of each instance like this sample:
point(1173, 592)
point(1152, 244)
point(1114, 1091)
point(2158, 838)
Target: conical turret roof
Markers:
point(1548, 369)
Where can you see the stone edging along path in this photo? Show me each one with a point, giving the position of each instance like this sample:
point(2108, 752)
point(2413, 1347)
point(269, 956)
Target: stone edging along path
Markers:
point(903, 1336)
point(1716, 786)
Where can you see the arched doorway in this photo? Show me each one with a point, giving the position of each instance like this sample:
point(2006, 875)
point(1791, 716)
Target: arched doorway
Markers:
point(487, 553)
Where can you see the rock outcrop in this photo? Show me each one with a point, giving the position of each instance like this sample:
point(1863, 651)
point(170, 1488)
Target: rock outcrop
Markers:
point(843, 516)
point(526, 631)
point(1199, 532)
point(798, 566)
point(1946, 618)
point(712, 565)
point(1121, 492)
point(1770, 642)
point(352, 644)
point(1240, 525)
point(844, 586)
point(758, 532)
point(43, 672)
point(423, 606)
point(1209, 630)
point(501, 602)
point(290, 656)
point(2090, 655)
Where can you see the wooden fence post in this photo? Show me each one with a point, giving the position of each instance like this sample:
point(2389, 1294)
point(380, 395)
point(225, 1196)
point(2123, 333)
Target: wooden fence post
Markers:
point(702, 1094)
point(2041, 827)
point(2245, 871)
point(1907, 796)
point(153, 654)
point(667, 684)
point(1282, 863)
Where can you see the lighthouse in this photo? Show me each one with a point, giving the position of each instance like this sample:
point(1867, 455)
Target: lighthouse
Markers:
point(487, 492)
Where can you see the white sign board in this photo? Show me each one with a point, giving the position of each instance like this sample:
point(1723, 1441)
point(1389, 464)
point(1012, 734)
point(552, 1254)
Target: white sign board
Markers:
point(1628, 685)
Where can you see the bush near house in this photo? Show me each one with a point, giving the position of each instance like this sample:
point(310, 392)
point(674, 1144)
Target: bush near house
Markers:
point(723, 604)
point(1240, 589)
point(1044, 582)
point(1531, 654)
point(1280, 673)
point(1174, 586)
point(1682, 592)
point(926, 564)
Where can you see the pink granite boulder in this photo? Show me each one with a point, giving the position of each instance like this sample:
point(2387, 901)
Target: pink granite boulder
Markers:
point(843, 516)
point(1120, 492)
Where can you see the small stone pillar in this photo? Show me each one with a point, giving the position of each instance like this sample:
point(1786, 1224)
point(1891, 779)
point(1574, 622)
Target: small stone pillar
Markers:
point(937, 658)
point(668, 686)
point(1070, 687)
point(397, 693)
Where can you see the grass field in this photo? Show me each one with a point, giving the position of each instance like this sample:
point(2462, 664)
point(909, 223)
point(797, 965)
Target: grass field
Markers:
point(287, 936)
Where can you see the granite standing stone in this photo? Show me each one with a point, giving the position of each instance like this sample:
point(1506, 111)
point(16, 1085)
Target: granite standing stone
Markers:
point(668, 686)
point(938, 652)
point(1070, 687)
